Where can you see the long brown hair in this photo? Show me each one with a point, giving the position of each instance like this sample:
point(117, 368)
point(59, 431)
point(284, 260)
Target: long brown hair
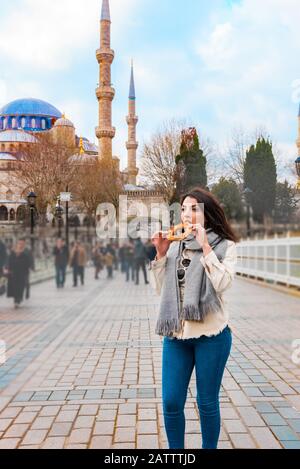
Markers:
point(215, 217)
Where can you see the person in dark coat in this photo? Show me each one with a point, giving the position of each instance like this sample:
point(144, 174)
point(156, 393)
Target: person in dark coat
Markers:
point(3, 257)
point(128, 260)
point(18, 266)
point(140, 257)
point(61, 259)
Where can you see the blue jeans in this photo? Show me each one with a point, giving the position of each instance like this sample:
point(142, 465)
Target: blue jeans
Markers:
point(209, 356)
point(60, 275)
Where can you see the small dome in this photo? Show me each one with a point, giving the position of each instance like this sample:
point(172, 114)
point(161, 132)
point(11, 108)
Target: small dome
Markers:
point(16, 136)
point(63, 122)
point(7, 157)
point(31, 107)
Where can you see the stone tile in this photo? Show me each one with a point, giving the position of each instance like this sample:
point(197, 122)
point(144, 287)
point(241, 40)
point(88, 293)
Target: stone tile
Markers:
point(4, 424)
point(9, 443)
point(234, 426)
point(17, 430)
point(125, 435)
point(241, 441)
point(34, 437)
point(284, 433)
point(104, 428)
point(49, 411)
point(85, 421)
point(126, 421)
point(66, 416)
point(60, 429)
point(147, 442)
point(42, 423)
point(273, 419)
point(264, 438)
point(53, 443)
point(88, 410)
point(101, 442)
point(147, 427)
point(250, 417)
point(128, 409)
point(81, 435)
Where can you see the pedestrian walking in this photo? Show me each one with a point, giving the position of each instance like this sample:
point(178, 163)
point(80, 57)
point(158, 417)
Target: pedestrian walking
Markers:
point(140, 257)
point(128, 252)
point(98, 260)
point(191, 274)
point(61, 258)
point(78, 262)
point(3, 257)
point(18, 269)
point(109, 262)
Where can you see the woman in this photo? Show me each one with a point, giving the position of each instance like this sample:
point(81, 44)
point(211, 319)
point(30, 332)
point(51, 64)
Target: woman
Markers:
point(191, 276)
point(19, 265)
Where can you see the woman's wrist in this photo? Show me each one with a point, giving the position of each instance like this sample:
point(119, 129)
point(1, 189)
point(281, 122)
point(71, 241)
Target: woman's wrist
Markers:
point(160, 255)
point(206, 249)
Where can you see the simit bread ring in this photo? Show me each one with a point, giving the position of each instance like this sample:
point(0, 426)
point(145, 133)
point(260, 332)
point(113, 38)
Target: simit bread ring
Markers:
point(172, 236)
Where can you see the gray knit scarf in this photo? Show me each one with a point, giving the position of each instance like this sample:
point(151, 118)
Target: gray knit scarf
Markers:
point(200, 297)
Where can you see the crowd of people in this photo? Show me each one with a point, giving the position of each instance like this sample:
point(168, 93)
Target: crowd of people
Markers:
point(17, 261)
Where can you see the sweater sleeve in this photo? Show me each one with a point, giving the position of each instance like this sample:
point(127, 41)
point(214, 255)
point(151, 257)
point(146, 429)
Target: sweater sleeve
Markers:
point(157, 271)
point(220, 273)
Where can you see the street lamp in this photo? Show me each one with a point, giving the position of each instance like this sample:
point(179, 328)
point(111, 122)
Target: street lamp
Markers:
point(59, 213)
point(246, 193)
point(31, 199)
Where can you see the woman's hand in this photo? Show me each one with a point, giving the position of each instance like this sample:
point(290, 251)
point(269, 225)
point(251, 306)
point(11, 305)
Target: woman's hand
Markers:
point(162, 244)
point(200, 234)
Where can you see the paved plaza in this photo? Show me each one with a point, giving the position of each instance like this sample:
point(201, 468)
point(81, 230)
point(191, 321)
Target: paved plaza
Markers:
point(83, 369)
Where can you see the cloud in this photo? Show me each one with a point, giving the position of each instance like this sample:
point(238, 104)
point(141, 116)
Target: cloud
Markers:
point(51, 34)
point(249, 73)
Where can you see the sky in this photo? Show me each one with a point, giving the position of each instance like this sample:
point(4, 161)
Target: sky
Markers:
point(218, 64)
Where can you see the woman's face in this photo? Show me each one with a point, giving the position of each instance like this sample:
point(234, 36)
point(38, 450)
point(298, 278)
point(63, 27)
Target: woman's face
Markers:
point(192, 212)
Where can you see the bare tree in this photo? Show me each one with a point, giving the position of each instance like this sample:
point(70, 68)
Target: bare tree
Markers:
point(96, 182)
point(159, 158)
point(45, 168)
point(159, 167)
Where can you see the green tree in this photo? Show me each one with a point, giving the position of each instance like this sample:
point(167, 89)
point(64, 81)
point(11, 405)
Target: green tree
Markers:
point(227, 192)
point(260, 176)
point(191, 164)
point(286, 202)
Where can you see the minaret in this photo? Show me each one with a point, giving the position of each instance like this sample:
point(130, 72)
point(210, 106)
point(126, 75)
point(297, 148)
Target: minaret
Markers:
point(105, 92)
point(132, 144)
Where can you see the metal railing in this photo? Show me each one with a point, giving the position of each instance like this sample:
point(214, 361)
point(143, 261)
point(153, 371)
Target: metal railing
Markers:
point(276, 260)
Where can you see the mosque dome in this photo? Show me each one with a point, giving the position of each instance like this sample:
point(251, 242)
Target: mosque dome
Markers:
point(19, 136)
point(63, 122)
point(29, 114)
point(30, 106)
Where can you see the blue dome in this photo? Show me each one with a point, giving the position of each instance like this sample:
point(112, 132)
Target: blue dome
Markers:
point(30, 106)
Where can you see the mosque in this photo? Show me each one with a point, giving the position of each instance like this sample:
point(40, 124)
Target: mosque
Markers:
point(23, 120)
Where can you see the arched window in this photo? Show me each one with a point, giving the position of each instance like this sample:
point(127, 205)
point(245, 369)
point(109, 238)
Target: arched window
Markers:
point(4, 123)
point(43, 124)
point(21, 213)
point(12, 215)
point(23, 122)
point(13, 123)
point(33, 123)
point(3, 213)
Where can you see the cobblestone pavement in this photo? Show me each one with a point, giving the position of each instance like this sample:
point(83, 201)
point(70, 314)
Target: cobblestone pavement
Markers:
point(83, 370)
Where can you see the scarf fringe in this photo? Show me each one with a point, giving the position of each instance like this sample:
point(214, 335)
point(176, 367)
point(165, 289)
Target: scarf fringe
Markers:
point(199, 313)
point(167, 327)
